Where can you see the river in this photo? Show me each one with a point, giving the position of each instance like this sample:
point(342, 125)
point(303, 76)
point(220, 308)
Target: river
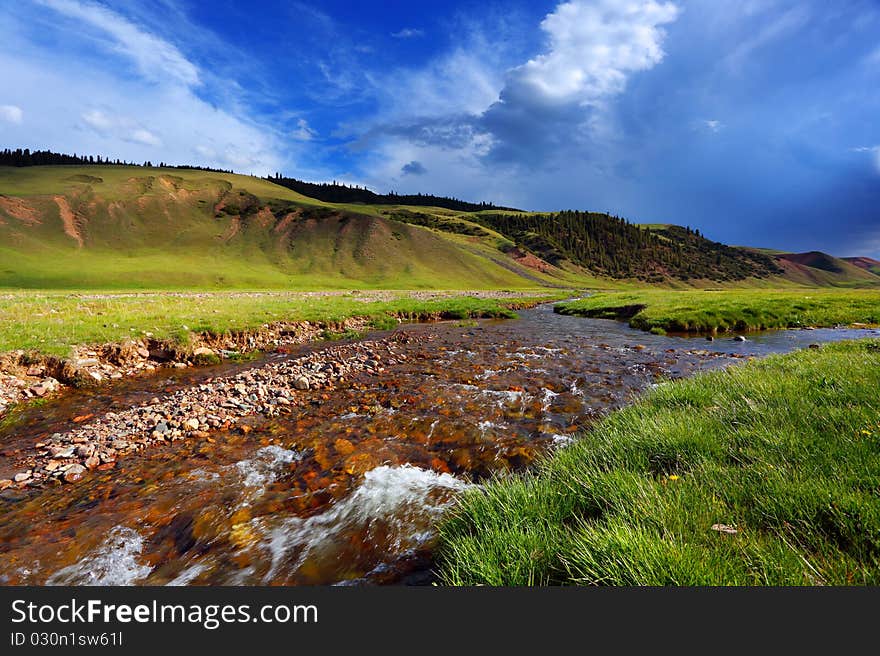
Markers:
point(348, 489)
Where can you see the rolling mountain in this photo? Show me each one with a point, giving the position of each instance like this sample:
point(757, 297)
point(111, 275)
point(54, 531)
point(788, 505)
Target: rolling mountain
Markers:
point(117, 226)
point(817, 268)
point(866, 263)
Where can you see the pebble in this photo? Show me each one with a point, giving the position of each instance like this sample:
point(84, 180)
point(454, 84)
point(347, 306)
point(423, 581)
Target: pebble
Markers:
point(144, 355)
point(267, 390)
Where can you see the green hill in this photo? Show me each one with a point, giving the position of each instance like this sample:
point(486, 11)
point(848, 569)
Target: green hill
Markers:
point(117, 226)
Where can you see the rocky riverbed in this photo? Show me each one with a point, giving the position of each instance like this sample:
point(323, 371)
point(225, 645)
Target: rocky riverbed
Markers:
point(269, 390)
point(25, 376)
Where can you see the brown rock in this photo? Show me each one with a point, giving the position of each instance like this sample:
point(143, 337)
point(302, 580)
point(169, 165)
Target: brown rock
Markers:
point(343, 446)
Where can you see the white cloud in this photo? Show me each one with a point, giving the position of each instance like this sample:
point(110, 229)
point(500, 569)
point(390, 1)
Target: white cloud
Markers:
point(713, 125)
point(303, 132)
point(155, 58)
point(408, 33)
point(145, 137)
point(98, 120)
point(152, 112)
point(479, 102)
point(119, 127)
point(11, 114)
point(593, 47)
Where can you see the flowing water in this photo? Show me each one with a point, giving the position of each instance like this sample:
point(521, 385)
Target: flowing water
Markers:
point(349, 488)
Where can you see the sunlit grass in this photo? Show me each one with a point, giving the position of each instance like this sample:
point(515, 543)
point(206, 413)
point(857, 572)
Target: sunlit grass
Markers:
point(741, 310)
point(764, 474)
point(54, 322)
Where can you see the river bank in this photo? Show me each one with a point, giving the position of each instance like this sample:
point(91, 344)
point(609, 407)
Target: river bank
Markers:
point(763, 474)
point(49, 342)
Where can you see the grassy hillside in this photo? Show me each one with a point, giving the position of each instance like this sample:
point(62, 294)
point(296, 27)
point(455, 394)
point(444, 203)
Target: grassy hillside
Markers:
point(866, 263)
point(764, 474)
point(109, 226)
point(112, 226)
point(816, 268)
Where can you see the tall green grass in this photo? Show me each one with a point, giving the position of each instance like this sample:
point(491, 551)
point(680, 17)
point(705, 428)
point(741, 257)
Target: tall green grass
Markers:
point(785, 451)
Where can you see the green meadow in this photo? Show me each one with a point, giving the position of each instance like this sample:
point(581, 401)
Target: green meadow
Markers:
point(54, 322)
point(711, 311)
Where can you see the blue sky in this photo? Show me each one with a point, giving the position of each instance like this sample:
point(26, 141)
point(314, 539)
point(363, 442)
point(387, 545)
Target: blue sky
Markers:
point(755, 121)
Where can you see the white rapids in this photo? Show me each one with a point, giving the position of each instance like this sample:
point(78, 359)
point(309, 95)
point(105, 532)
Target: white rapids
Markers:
point(115, 562)
point(395, 508)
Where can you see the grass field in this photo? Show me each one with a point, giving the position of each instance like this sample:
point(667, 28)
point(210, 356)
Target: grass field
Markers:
point(761, 474)
point(54, 322)
point(741, 310)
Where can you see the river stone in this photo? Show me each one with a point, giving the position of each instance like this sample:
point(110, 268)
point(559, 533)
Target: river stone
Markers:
point(62, 451)
point(739, 338)
point(191, 424)
point(39, 390)
point(74, 473)
point(203, 350)
point(302, 383)
point(21, 477)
